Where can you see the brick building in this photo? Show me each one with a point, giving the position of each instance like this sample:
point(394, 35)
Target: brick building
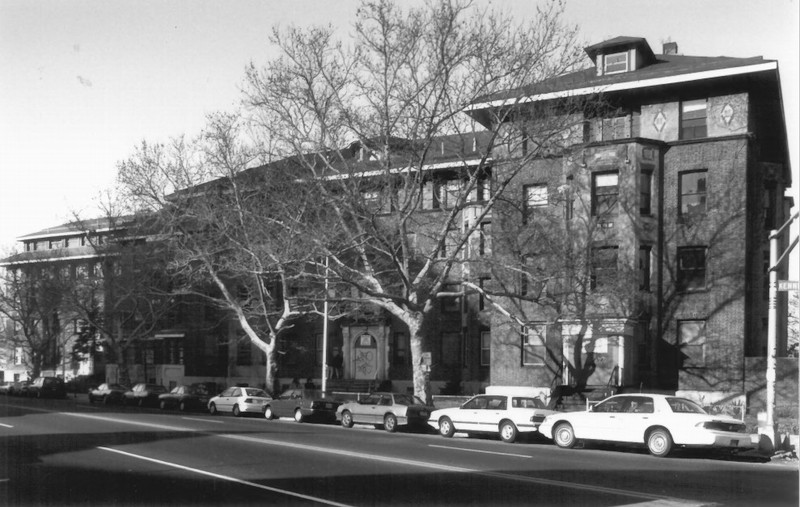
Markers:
point(629, 251)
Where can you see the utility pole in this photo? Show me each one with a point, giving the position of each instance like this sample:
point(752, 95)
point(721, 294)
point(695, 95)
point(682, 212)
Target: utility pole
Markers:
point(775, 260)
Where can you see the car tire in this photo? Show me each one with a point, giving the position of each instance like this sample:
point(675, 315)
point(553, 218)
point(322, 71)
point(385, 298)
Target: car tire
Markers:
point(182, 406)
point(659, 442)
point(347, 419)
point(106, 400)
point(564, 436)
point(268, 414)
point(508, 432)
point(236, 411)
point(390, 423)
point(298, 416)
point(212, 409)
point(446, 428)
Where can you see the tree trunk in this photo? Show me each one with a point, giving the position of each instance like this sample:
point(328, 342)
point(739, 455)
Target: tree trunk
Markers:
point(420, 372)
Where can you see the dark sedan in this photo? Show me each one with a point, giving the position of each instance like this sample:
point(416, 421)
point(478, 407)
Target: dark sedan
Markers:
point(108, 393)
point(144, 394)
point(192, 397)
point(47, 387)
point(302, 405)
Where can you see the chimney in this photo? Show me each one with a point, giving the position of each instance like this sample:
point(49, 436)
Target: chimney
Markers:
point(670, 48)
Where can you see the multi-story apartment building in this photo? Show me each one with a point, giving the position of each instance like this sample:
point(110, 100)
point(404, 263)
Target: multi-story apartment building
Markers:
point(629, 249)
point(675, 179)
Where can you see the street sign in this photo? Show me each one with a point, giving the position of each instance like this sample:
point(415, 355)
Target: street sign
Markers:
point(788, 285)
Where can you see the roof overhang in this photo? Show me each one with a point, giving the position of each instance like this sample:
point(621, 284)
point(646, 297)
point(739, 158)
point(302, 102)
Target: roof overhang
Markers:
point(626, 85)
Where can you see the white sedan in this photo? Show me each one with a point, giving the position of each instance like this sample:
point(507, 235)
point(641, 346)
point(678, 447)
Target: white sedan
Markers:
point(504, 414)
point(239, 400)
point(658, 421)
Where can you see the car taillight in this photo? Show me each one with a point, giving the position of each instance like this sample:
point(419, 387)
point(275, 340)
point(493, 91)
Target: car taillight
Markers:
point(723, 426)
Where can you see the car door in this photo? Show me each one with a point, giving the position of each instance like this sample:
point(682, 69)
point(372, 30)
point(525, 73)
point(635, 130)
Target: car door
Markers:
point(601, 422)
point(470, 414)
point(225, 400)
point(494, 412)
point(364, 410)
point(632, 420)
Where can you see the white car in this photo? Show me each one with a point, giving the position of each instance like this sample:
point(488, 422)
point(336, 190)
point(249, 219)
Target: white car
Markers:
point(658, 421)
point(504, 414)
point(239, 400)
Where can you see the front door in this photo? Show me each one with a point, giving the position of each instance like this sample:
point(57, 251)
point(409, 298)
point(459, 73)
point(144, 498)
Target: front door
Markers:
point(365, 357)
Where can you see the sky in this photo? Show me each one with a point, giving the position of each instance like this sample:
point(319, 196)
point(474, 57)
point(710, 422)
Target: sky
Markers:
point(84, 81)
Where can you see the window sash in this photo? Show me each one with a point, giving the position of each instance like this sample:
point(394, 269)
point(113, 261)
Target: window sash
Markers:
point(534, 344)
point(604, 266)
point(694, 123)
point(691, 273)
point(692, 342)
point(615, 62)
point(605, 193)
point(693, 192)
point(486, 348)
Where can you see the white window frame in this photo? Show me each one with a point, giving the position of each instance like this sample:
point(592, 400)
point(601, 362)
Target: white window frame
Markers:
point(534, 339)
point(689, 341)
point(618, 60)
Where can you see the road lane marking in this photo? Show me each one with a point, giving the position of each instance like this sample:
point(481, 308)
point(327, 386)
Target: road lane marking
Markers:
point(481, 451)
point(133, 423)
point(226, 478)
point(6, 425)
point(413, 463)
point(203, 420)
point(449, 468)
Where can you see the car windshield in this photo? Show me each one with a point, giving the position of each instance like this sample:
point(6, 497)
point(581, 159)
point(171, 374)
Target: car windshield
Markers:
point(684, 406)
point(156, 388)
point(406, 399)
point(258, 393)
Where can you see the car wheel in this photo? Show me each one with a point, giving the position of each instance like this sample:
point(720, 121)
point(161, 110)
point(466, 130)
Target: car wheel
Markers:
point(298, 416)
point(347, 419)
point(446, 428)
point(659, 442)
point(106, 400)
point(564, 436)
point(390, 423)
point(162, 405)
point(268, 414)
point(212, 409)
point(236, 411)
point(508, 432)
point(182, 406)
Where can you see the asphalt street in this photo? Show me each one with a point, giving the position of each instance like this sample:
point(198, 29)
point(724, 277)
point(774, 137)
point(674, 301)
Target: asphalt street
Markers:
point(68, 452)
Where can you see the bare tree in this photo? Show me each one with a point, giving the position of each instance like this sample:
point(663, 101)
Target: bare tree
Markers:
point(231, 234)
point(364, 123)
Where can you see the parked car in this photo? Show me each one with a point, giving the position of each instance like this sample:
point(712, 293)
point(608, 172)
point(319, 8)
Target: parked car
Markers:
point(14, 388)
point(5, 387)
point(47, 387)
point(143, 394)
point(191, 397)
point(302, 405)
point(108, 393)
point(239, 400)
point(389, 410)
point(507, 415)
point(658, 421)
point(21, 388)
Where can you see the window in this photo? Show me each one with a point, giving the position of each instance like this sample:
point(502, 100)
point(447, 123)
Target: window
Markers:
point(604, 266)
point(692, 190)
point(372, 200)
point(615, 62)
point(645, 192)
point(534, 340)
point(482, 283)
point(486, 348)
point(243, 352)
point(485, 246)
point(480, 192)
point(318, 345)
point(693, 119)
point(446, 194)
point(451, 304)
point(400, 349)
point(692, 342)
point(691, 269)
point(605, 191)
point(535, 197)
point(615, 128)
point(644, 267)
point(451, 349)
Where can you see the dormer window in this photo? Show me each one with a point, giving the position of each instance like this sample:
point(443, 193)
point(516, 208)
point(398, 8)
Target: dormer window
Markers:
point(615, 62)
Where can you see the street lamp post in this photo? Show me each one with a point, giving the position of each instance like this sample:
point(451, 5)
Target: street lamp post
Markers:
point(775, 260)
